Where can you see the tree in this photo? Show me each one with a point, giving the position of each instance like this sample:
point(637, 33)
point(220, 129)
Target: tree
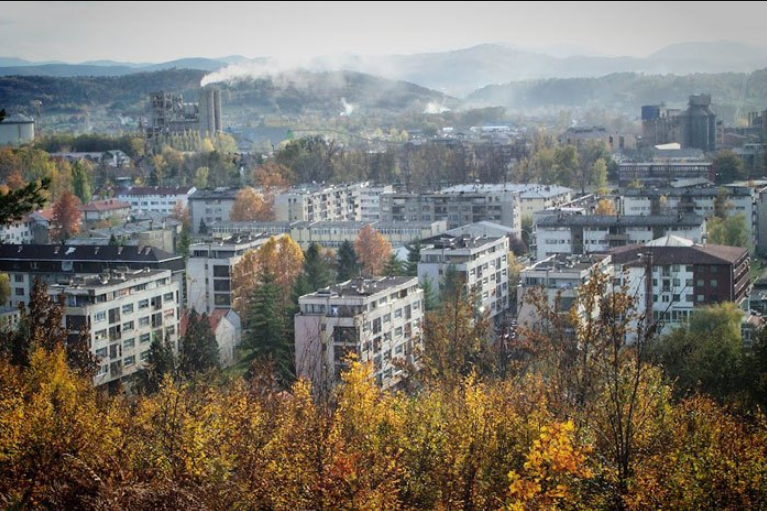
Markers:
point(16, 203)
point(5, 289)
point(731, 231)
point(66, 216)
point(181, 214)
point(245, 275)
point(113, 242)
point(159, 364)
point(599, 171)
point(347, 261)
point(203, 227)
point(81, 182)
point(605, 207)
point(282, 258)
point(372, 249)
point(728, 167)
point(198, 350)
point(248, 206)
point(413, 258)
point(393, 267)
point(183, 243)
point(266, 332)
point(201, 177)
point(316, 269)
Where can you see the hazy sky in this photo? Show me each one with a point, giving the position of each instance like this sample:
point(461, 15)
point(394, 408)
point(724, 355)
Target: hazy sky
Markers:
point(155, 32)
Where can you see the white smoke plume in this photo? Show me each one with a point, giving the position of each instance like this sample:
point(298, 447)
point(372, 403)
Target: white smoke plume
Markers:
point(433, 107)
point(348, 108)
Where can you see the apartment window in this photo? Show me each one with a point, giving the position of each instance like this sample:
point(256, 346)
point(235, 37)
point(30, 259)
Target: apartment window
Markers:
point(714, 282)
point(143, 321)
point(675, 268)
point(100, 335)
point(143, 304)
point(127, 326)
point(19, 291)
point(688, 282)
point(700, 298)
point(129, 343)
point(129, 361)
point(145, 338)
point(18, 278)
point(689, 268)
point(701, 283)
point(127, 309)
point(100, 316)
point(689, 298)
point(676, 282)
point(398, 331)
point(675, 298)
point(387, 318)
point(101, 353)
point(398, 313)
point(144, 355)
point(167, 297)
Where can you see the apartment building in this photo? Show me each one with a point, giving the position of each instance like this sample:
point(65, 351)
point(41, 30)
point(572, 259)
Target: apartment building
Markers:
point(209, 270)
point(124, 311)
point(370, 201)
point(380, 320)
point(209, 206)
point(482, 263)
point(585, 234)
point(156, 199)
point(319, 203)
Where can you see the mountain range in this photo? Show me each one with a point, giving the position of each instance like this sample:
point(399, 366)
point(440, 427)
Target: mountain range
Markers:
point(458, 72)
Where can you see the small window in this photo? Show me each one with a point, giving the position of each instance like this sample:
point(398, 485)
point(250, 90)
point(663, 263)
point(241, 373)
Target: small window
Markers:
point(19, 291)
point(129, 343)
point(129, 361)
point(100, 316)
point(128, 308)
point(143, 321)
point(143, 304)
point(145, 338)
point(144, 355)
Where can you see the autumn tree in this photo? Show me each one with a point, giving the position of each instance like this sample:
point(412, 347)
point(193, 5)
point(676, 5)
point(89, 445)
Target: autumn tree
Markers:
point(5, 289)
point(248, 206)
point(346, 260)
point(732, 231)
point(81, 182)
point(372, 250)
point(198, 349)
point(201, 178)
point(599, 171)
point(181, 214)
point(605, 207)
point(66, 216)
point(245, 275)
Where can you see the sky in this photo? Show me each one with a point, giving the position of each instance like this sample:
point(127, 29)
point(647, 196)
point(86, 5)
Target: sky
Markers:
point(158, 31)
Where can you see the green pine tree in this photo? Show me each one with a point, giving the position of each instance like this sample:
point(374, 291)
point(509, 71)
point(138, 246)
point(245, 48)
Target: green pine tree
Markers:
point(198, 350)
point(159, 362)
point(413, 257)
point(80, 182)
point(266, 332)
point(347, 261)
point(183, 242)
point(316, 269)
point(393, 267)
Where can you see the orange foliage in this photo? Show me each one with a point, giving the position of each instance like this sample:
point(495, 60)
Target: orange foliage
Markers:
point(66, 216)
point(372, 249)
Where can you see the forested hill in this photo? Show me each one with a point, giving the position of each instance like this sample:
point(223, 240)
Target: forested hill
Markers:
point(294, 93)
point(627, 92)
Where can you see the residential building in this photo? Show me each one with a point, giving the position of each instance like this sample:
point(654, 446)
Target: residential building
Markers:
point(54, 264)
point(703, 201)
point(209, 270)
point(17, 130)
point(370, 201)
point(683, 275)
point(124, 311)
point(156, 199)
point(585, 234)
point(17, 231)
point(663, 173)
point(209, 206)
point(560, 276)
point(9, 318)
point(319, 203)
point(105, 210)
point(481, 263)
point(380, 320)
point(332, 234)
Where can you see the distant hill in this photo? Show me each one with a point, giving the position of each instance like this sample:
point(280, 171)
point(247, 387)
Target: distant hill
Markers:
point(627, 92)
point(461, 71)
point(293, 93)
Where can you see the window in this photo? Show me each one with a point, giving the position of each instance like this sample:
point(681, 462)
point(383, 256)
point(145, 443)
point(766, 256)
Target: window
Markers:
point(167, 297)
point(398, 313)
point(222, 299)
point(100, 316)
point(675, 298)
point(714, 283)
point(18, 278)
point(398, 331)
point(100, 335)
point(675, 268)
point(143, 304)
point(688, 282)
point(143, 321)
point(144, 338)
point(127, 326)
point(129, 361)
point(689, 298)
point(129, 343)
point(101, 352)
point(128, 308)
point(19, 291)
point(676, 282)
point(700, 298)
point(377, 325)
point(144, 355)
point(387, 318)
point(700, 283)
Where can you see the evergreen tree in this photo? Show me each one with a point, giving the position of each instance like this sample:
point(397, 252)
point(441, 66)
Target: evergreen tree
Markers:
point(159, 362)
point(393, 267)
point(266, 333)
point(80, 182)
point(198, 351)
point(429, 300)
point(316, 269)
point(203, 226)
point(183, 242)
point(113, 241)
point(413, 257)
point(347, 261)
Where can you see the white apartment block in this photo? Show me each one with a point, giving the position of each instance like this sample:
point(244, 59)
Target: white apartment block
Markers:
point(210, 206)
point(318, 203)
point(125, 311)
point(156, 199)
point(370, 201)
point(698, 201)
point(586, 234)
point(482, 263)
point(560, 276)
point(18, 232)
point(209, 271)
point(532, 197)
point(378, 319)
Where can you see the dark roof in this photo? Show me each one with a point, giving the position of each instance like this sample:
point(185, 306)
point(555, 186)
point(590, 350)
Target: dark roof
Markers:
point(364, 287)
point(218, 193)
point(696, 254)
point(627, 220)
point(153, 190)
point(711, 191)
point(108, 253)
